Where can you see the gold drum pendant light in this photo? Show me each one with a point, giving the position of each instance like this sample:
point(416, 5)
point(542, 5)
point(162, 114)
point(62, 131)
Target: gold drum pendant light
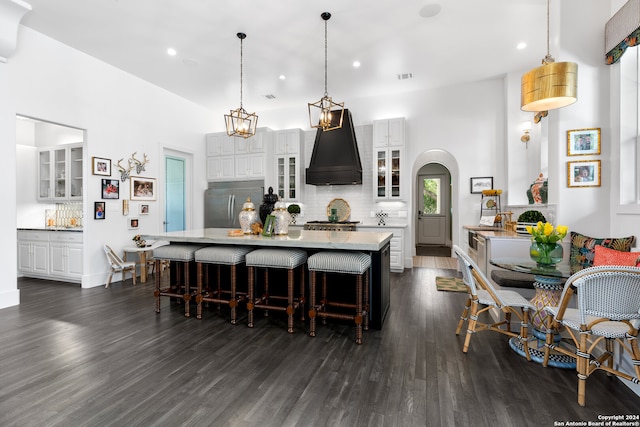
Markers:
point(326, 114)
point(551, 86)
point(239, 122)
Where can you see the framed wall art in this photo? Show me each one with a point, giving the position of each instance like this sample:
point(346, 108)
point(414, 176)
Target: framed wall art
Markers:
point(100, 166)
point(583, 142)
point(144, 209)
point(583, 174)
point(143, 188)
point(481, 183)
point(110, 189)
point(134, 223)
point(99, 210)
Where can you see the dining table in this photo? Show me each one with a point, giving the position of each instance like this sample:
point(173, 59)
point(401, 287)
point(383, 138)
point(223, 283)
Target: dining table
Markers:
point(548, 284)
point(143, 252)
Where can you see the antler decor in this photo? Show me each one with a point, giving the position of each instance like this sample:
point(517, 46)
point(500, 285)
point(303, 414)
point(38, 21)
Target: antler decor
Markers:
point(124, 173)
point(138, 163)
point(132, 163)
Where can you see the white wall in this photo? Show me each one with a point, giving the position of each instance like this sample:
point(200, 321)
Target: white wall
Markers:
point(121, 113)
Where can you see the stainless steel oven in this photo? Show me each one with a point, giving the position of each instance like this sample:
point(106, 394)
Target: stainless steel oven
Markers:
point(473, 245)
point(332, 226)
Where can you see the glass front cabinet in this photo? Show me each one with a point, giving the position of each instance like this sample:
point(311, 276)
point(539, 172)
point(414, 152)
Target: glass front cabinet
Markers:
point(388, 137)
point(60, 173)
point(289, 157)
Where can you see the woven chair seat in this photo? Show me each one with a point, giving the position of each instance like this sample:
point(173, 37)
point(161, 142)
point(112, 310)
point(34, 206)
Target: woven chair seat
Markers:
point(339, 262)
point(184, 253)
point(509, 298)
point(276, 258)
point(571, 319)
point(226, 255)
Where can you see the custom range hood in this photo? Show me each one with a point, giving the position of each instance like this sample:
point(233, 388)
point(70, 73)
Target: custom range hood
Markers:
point(335, 159)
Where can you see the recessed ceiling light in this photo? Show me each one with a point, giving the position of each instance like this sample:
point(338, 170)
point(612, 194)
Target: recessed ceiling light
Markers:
point(430, 10)
point(356, 64)
point(521, 45)
point(283, 77)
point(171, 52)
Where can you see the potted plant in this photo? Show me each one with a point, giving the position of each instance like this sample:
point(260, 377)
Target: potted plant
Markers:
point(531, 218)
point(294, 211)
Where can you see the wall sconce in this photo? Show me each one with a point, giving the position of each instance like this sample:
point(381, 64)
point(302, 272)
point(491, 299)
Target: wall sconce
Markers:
point(526, 128)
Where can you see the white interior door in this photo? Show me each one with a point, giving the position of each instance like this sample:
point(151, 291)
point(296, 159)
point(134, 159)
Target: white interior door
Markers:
point(434, 213)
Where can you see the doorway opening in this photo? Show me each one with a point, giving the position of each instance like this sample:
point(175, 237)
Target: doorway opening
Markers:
point(177, 189)
point(433, 199)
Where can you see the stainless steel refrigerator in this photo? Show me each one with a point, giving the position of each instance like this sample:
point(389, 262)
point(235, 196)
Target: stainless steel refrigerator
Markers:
point(223, 201)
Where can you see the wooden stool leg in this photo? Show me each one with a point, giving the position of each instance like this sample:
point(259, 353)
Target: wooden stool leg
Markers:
point(358, 316)
point(199, 291)
point(323, 301)
point(290, 307)
point(157, 291)
point(312, 303)
point(366, 300)
point(266, 290)
point(250, 299)
point(302, 291)
point(218, 280)
point(232, 299)
point(187, 291)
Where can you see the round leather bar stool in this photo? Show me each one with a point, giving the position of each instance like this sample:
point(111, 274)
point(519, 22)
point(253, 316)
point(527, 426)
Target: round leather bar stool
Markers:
point(338, 304)
point(219, 256)
point(181, 256)
point(267, 259)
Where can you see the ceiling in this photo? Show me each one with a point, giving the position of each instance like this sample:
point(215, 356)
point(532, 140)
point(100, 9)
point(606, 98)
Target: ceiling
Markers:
point(467, 40)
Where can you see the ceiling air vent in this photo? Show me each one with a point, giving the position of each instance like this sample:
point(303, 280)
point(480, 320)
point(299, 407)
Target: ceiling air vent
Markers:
point(269, 96)
point(405, 76)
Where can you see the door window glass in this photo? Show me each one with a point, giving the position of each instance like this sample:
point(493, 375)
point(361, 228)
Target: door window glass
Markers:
point(431, 196)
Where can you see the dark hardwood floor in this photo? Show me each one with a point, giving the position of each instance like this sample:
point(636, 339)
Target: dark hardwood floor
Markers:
point(103, 357)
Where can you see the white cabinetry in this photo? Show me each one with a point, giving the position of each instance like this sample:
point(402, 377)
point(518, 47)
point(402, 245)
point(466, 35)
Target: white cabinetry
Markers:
point(388, 158)
point(33, 252)
point(289, 164)
point(236, 158)
point(65, 251)
point(396, 245)
point(50, 255)
point(60, 173)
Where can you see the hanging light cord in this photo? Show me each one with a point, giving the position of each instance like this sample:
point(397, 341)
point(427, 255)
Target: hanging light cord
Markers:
point(548, 59)
point(241, 38)
point(325, 58)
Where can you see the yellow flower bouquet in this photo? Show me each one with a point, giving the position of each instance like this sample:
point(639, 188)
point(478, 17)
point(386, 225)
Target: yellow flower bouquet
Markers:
point(545, 249)
point(547, 233)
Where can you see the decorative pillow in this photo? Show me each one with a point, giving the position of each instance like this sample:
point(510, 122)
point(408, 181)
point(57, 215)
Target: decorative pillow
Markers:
point(606, 256)
point(583, 248)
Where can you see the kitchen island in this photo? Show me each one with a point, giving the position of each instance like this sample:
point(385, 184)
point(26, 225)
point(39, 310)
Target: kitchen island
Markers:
point(374, 243)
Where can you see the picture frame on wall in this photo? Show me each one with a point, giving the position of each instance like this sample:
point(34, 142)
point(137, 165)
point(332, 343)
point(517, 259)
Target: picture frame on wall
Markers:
point(99, 210)
point(100, 166)
point(143, 188)
point(110, 189)
point(144, 209)
point(481, 183)
point(125, 207)
point(134, 223)
point(583, 142)
point(584, 174)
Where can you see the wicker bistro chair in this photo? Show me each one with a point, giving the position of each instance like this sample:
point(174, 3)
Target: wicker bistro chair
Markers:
point(608, 310)
point(218, 257)
point(182, 256)
point(483, 296)
point(279, 259)
point(118, 265)
point(342, 307)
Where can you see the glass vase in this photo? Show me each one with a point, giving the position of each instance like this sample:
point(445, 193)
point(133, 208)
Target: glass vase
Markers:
point(546, 254)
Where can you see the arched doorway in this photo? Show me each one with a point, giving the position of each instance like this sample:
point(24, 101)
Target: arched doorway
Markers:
point(433, 201)
point(444, 161)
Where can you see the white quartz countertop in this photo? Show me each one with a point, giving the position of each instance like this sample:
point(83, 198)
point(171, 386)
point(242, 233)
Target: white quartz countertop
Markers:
point(341, 240)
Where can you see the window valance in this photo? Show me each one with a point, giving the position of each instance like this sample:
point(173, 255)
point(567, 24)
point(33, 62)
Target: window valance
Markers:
point(622, 31)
